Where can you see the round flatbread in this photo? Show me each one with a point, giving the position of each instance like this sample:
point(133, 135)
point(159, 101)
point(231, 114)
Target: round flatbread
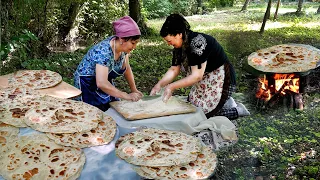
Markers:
point(101, 135)
point(7, 133)
point(35, 79)
point(12, 93)
point(13, 112)
point(285, 58)
point(37, 157)
point(155, 147)
point(202, 168)
point(57, 115)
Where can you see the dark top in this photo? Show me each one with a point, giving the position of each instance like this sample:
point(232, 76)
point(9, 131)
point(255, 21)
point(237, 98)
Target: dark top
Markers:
point(199, 48)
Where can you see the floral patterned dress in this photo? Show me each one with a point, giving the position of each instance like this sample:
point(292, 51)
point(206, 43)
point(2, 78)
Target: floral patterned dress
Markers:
point(85, 75)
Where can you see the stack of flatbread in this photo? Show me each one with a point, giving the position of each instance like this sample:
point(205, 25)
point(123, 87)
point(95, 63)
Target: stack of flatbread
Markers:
point(163, 154)
point(65, 127)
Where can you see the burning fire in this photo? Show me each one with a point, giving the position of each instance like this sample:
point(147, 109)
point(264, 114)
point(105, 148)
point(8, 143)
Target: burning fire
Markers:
point(283, 82)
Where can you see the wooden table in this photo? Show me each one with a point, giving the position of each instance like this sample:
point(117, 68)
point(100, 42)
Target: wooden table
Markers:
point(61, 90)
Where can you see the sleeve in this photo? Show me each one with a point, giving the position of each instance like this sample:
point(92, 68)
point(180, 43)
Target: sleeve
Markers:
point(199, 51)
point(102, 55)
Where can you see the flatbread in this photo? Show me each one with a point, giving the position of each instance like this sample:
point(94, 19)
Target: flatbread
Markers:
point(202, 168)
point(285, 58)
point(101, 135)
point(37, 157)
point(7, 133)
point(13, 112)
point(35, 79)
point(155, 147)
point(57, 115)
point(12, 93)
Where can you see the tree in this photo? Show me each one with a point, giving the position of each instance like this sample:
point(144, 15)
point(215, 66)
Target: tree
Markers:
point(266, 16)
point(199, 7)
point(276, 13)
point(245, 5)
point(135, 14)
point(300, 3)
point(68, 19)
point(318, 11)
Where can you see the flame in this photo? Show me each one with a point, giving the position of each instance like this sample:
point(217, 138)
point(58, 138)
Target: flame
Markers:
point(282, 82)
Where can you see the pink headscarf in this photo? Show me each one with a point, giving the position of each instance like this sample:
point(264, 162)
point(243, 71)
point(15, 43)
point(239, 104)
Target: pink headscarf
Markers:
point(126, 27)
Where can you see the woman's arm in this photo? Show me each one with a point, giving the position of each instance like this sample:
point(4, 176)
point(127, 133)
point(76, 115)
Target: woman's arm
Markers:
point(103, 83)
point(195, 76)
point(172, 73)
point(129, 75)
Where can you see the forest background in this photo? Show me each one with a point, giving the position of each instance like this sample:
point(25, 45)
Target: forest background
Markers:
point(275, 142)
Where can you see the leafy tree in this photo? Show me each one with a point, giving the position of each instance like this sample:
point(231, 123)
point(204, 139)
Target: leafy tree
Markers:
point(157, 8)
point(318, 11)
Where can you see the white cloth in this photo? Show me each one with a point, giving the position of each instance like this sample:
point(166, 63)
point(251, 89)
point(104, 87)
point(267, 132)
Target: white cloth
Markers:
point(221, 125)
point(187, 123)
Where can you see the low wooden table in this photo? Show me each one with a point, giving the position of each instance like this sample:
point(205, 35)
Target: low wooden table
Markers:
point(61, 90)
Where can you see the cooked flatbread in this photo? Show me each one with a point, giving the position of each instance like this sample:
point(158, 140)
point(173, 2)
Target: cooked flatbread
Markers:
point(7, 133)
point(37, 157)
point(12, 93)
point(13, 112)
point(101, 135)
point(202, 168)
point(285, 58)
point(155, 147)
point(57, 115)
point(35, 79)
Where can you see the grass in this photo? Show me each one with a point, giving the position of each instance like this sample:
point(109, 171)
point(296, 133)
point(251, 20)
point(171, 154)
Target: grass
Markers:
point(274, 143)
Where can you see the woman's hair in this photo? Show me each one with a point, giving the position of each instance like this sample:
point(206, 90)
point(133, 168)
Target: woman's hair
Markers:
point(175, 24)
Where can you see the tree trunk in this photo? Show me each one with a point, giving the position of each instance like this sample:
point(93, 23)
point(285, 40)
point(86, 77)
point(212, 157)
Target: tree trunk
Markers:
point(6, 8)
point(266, 15)
point(135, 14)
point(69, 18)
point(199, 7)
point(318, 11)
point(245, 5)
point(276, 13)
point(300, 3)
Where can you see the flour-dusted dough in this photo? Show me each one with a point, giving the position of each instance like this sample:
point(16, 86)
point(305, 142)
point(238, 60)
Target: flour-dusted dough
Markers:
point(101, 135)
point(152, 108)
point(156, 147)
point(37, 157)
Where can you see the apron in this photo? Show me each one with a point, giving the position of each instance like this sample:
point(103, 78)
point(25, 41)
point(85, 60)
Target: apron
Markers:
point(91, 94)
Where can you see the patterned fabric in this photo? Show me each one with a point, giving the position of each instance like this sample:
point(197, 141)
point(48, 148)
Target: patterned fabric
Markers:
point(101, 54)
point(207, 92)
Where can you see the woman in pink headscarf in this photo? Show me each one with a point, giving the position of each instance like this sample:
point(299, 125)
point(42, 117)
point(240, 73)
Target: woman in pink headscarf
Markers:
point(106, 61)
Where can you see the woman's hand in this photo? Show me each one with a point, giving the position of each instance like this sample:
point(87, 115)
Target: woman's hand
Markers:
point(156, 89)
point(167, 94)
point(132, 97)
point(139, 93)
